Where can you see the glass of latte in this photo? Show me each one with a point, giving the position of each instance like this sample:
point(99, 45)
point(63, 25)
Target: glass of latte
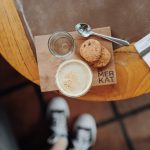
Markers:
point(73, 78)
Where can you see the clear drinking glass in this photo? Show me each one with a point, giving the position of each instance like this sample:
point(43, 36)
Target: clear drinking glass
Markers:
point(61, 44)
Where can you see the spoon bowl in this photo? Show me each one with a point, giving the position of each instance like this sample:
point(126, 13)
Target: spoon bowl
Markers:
point(84, 29)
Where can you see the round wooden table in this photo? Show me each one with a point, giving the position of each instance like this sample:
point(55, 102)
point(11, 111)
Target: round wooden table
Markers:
point(128, 19)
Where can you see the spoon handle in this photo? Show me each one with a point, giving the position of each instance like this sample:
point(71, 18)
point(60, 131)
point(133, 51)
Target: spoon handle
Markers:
point(112, 39)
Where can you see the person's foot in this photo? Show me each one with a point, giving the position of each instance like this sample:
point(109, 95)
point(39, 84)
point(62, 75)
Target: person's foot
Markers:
point(85, 132)
point(57, 114)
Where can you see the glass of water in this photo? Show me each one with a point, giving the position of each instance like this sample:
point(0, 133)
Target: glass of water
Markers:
point(61, 45)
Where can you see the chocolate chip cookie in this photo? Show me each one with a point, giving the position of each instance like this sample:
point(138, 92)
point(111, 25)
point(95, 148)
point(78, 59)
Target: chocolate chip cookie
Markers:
point(104, 59)
point(90, 50)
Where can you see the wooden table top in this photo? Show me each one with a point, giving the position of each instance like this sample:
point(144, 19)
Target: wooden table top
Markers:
point(133, 75)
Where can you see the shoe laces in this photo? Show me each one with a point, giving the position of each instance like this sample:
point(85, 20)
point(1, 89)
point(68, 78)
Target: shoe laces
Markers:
point(58, 126)
point(82, 140)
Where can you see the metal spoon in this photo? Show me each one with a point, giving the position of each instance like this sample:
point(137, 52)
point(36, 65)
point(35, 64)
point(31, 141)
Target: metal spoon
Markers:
point(85, 31)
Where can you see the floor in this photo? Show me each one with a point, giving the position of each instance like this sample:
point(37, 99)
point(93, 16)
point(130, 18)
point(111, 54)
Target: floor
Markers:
point(123, 125)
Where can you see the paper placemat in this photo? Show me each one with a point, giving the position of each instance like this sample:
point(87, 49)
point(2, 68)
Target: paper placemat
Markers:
point(48, 65)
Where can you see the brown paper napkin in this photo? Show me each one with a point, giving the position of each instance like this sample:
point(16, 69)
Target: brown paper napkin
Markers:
point(48, 65)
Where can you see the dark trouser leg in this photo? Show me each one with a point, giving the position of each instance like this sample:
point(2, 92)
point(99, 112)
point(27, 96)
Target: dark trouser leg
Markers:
point(7, 140)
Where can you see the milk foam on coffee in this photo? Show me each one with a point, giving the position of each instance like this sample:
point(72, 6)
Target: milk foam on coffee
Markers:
point(74, 78)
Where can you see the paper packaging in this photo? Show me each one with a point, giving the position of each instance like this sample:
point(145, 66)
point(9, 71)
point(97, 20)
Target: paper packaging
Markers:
point(48, 65)
point(143, 48)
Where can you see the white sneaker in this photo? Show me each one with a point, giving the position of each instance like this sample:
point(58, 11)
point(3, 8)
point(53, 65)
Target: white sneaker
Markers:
point(57, 115)
point(85, 132)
